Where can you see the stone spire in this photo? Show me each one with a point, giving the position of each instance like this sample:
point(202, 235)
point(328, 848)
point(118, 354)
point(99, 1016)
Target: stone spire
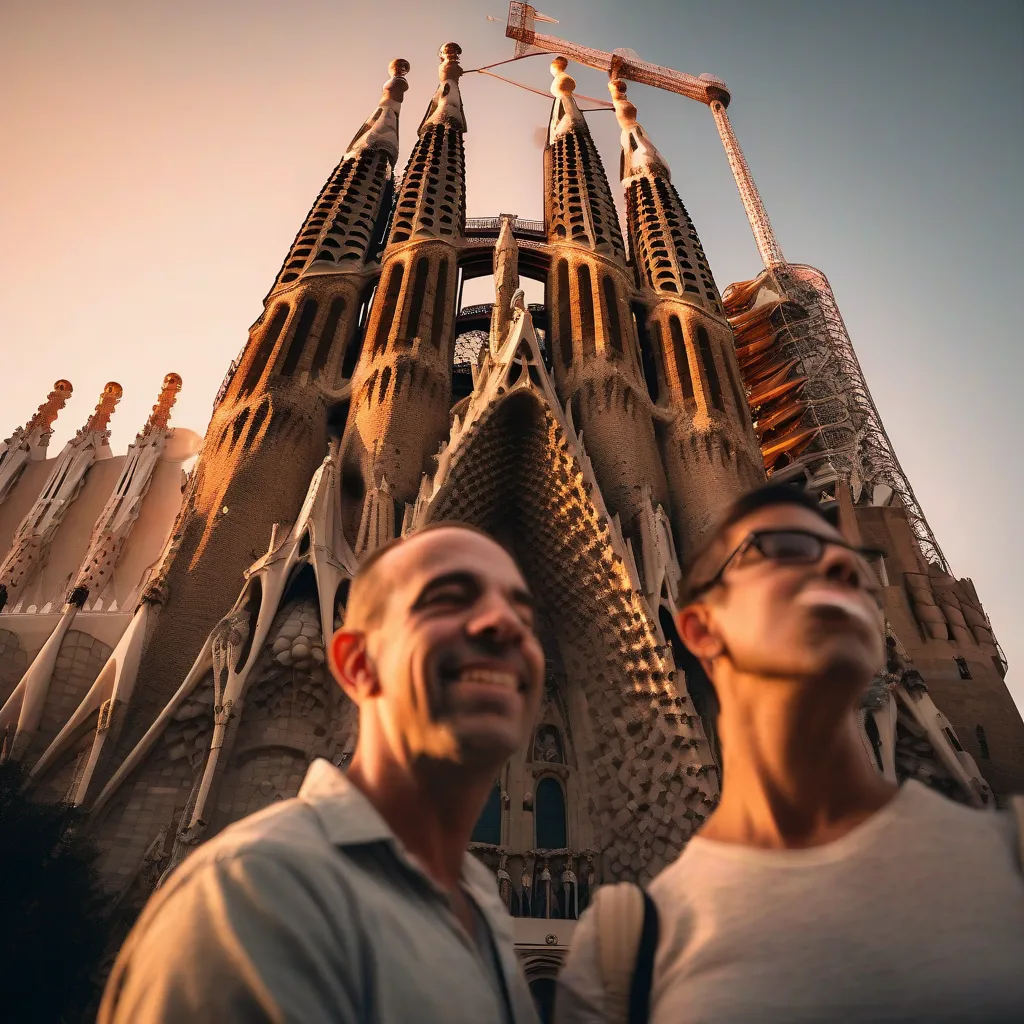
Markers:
point(446, 106)
point(100, 419)
point(161, 414)
point(46, 414)
point(36, 531)
point(566, 116)
point(506, 281)
point(29, 443)
point(639, 154)
point(432, 202)
point(341, 232)
point(709, 450)
point(579, 206)
point(402, 384)
point(380, 129)
point(665, 246)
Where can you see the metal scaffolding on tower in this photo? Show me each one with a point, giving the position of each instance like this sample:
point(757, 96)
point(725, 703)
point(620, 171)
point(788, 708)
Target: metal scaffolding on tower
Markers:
point(852, 443)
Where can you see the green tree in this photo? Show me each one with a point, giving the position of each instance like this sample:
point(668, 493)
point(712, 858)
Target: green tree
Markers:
point(54, 912)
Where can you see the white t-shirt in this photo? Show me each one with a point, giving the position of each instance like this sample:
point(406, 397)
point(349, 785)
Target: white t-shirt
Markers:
point(915, 915)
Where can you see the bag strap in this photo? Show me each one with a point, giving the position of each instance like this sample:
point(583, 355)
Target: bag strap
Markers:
point(1017, 808)
point(627, 937)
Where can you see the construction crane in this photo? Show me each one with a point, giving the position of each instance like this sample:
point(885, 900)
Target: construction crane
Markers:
point(626, 64)
point(873, 450)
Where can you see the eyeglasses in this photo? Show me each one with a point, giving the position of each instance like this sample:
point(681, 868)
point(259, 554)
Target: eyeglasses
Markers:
point(787, 547)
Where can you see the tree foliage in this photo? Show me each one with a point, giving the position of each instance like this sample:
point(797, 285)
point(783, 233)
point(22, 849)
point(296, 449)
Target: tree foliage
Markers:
point(54, 913)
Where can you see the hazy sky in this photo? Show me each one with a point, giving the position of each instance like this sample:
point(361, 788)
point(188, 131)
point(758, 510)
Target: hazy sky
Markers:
point(158, 158)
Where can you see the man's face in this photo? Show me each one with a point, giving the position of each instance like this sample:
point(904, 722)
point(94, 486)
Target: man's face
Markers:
point(459, 669)
point(795, 621)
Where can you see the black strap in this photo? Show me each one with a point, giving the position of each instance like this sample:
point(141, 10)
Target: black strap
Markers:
point(643, 971)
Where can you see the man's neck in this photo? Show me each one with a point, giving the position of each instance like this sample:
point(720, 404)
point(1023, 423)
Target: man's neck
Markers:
point(795, 773)
point(432, 817)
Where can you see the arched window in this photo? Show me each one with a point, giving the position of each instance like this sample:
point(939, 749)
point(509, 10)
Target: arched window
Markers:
point(323, 346)
point(708, 359)
point(586, 296)
point(440, 306)
point(298, 342)
point(649, 342)
point(564, 314)
point(682, 360)
point(611, 312)
point(982, 742)
point(419, 288)
point(488, 826)
point(355, 346)
point(549, 815)
point(264, 348)
point(387, 312)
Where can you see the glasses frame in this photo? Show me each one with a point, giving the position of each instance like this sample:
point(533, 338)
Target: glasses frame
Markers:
point(751, 539)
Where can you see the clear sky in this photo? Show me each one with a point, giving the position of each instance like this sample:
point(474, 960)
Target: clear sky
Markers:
point(158, 158)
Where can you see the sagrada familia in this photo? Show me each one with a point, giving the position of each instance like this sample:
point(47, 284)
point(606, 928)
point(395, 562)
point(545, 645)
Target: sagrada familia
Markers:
point(162, 632)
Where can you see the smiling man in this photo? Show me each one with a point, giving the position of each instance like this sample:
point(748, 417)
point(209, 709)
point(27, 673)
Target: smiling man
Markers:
point(816, 890)
point(357, 901)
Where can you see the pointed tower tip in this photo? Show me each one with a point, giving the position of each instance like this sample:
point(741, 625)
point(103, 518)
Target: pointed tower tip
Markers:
point(111, 395)
point(380, 130)
point(446, 106)
point(625, 112)
point(449, 56)
point(564, 84)
point(639, 154)
point(396, 86)
point(55, 401)
point(161, 414)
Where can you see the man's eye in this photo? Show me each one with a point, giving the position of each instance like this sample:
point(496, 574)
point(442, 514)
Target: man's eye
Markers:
point(448, 595)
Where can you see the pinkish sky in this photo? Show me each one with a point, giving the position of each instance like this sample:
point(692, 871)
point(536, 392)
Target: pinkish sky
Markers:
point(159, 158)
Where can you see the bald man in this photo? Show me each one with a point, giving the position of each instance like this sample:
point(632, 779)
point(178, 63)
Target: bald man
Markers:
point(357, 901)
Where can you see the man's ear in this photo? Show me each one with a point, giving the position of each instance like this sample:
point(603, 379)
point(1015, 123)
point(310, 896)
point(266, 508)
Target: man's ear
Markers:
point(695, 630)
point(351, 665)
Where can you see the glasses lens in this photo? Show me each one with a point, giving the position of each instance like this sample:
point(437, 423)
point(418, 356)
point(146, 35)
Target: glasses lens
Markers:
point(790, 547)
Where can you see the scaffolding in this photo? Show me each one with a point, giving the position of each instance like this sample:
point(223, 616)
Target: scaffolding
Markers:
point(852, 443)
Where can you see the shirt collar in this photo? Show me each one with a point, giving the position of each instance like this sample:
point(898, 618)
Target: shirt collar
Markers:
point(346, 815)
point(349, 819)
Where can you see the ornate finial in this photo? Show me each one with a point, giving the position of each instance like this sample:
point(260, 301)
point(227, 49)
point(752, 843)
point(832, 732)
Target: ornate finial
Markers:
point(161, 413)
point(625, 112)
point(639, 154)
point(380, 131)
point(449, 55)
point(47, 412)
point(396, 86)
point(105, 407)
point(563, 83)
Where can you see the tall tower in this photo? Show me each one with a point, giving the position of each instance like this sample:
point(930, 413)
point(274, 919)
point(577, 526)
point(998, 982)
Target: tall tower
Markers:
point(595, 352)
point(401, 390)
point(707, 442)
point(268, 434)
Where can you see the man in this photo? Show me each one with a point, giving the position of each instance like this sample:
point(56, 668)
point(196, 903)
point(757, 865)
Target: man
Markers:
point(357, 901)
point(816, 891)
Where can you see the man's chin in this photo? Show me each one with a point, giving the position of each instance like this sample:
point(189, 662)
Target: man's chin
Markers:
point(487, 745)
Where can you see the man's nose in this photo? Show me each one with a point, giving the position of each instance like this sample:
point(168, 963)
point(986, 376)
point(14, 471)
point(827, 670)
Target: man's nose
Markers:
point(843, 566)
point(495, 619)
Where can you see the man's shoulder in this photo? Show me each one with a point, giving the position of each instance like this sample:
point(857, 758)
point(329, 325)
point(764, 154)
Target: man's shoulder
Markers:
point(287, 832)
point(930, 811)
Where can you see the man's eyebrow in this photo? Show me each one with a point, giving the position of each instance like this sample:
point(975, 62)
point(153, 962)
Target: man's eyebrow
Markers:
point(462, 579)
point(522, 596)
point(468, 580)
